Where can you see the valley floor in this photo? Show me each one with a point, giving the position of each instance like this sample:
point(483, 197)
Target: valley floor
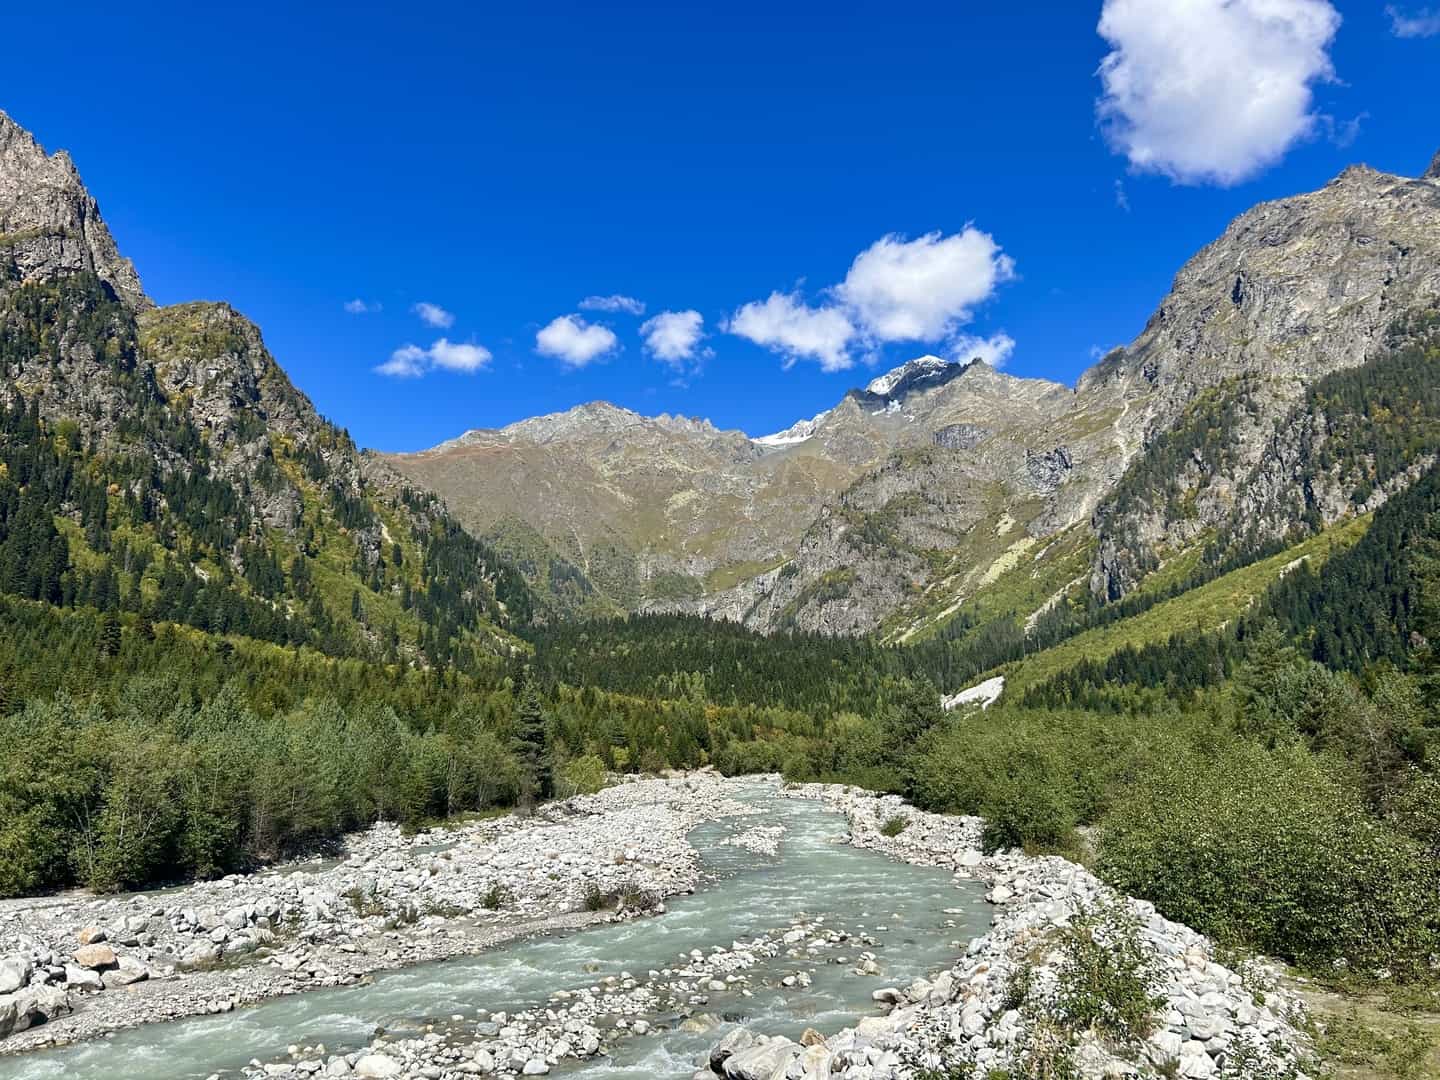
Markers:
point(391, 901)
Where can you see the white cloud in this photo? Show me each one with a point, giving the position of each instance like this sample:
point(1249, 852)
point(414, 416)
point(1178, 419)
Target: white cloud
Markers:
point(361, 307)
point(454, 356)
point(573, 341)
point(896, 290)
point(434, 315)
point(406, 362)
point(994, 350)
point(922, 289)
point(787, 324)
point(1212, 91)
point(673, 336)
point(627, 304)
point(1424, 23)
point(411, 361)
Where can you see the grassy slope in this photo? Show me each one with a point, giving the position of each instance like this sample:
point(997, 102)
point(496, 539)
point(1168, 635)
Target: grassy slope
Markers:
point(1206, 608)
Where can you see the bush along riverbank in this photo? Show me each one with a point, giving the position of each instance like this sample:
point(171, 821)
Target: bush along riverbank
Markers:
point(1073, 981)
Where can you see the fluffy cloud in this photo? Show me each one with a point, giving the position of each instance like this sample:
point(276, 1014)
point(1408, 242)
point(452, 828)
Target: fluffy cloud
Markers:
point(673, 336)
point(573, 341)
point(896, 290)
point(434, 315)
point(1424, 23)
point(628, 304)
point(922, 289)
point(1212, 91)
point(994, 350)
point(411, 361)
point(787, 324)
point(360, 307)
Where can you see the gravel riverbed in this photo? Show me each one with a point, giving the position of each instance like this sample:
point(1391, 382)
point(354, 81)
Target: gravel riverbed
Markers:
point(72, 968)
point(1210, 1021)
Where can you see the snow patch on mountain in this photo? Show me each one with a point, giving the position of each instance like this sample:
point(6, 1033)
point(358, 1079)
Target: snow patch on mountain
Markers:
point(795, 433)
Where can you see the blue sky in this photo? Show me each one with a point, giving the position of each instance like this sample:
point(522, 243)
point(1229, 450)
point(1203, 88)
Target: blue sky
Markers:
point(874, 181)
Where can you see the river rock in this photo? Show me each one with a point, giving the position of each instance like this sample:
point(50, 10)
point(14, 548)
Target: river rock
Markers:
point(78, 978)
point(14, 973)
point(129, 972)
point(732, 1043)
point(95, 957)
point(762, 1061)
point(377, 1065)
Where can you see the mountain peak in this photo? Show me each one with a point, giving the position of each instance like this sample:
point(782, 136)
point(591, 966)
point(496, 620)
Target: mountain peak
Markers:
point(50, 226)
point(900, 380)
point(1433, 173)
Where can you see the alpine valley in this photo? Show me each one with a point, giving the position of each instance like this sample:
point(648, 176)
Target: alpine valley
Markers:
point(978, 726)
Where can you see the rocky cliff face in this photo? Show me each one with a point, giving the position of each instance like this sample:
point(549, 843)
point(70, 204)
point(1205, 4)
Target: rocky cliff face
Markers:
point(1294, 290)
point(50, 227)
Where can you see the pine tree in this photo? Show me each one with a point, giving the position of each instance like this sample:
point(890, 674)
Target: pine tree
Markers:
point(531, 749)
point(109, 638)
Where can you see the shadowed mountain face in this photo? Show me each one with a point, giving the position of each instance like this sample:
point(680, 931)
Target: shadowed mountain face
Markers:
point(941, 482)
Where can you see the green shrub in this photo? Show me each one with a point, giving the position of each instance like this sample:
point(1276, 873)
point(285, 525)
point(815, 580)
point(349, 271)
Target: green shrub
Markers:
point(596, 899)
point(1107, 977)
point(894, 826)
point(495, 897)
point(1271, 849)
point(580, 776)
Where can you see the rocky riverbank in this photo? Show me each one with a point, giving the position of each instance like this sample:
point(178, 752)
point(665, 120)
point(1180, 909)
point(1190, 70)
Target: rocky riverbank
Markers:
point(75, 967)
point(1011, 1004)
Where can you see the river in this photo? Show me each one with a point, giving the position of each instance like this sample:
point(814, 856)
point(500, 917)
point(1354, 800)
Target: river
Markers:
point(917, 916)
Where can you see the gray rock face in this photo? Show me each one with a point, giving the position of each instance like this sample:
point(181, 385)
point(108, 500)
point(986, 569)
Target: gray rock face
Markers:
point(1047, 471)
point(960, 436)
point(1292, 291)
point(1433, 173)
point(50, 227)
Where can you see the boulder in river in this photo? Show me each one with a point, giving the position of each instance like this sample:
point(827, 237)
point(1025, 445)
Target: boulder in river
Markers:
point(762, 1061)
point(733, 1042)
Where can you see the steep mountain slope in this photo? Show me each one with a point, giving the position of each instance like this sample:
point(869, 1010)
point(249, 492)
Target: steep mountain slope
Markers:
point(1293, 291)
point(158, 461)
point(943, 488)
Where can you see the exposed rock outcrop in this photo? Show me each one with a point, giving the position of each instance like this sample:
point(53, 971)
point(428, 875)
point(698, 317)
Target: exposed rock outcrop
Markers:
point(50, 226)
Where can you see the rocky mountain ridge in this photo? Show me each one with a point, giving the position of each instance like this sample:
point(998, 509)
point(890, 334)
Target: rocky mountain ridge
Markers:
point(914, 498)
point(937, 481)
point(669, 510)
point(49, 224)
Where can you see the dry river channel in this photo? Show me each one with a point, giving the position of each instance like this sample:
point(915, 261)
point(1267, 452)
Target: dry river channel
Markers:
point(789, 928)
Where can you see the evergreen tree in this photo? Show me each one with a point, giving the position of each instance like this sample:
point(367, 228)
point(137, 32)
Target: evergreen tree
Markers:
point(531, 725)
